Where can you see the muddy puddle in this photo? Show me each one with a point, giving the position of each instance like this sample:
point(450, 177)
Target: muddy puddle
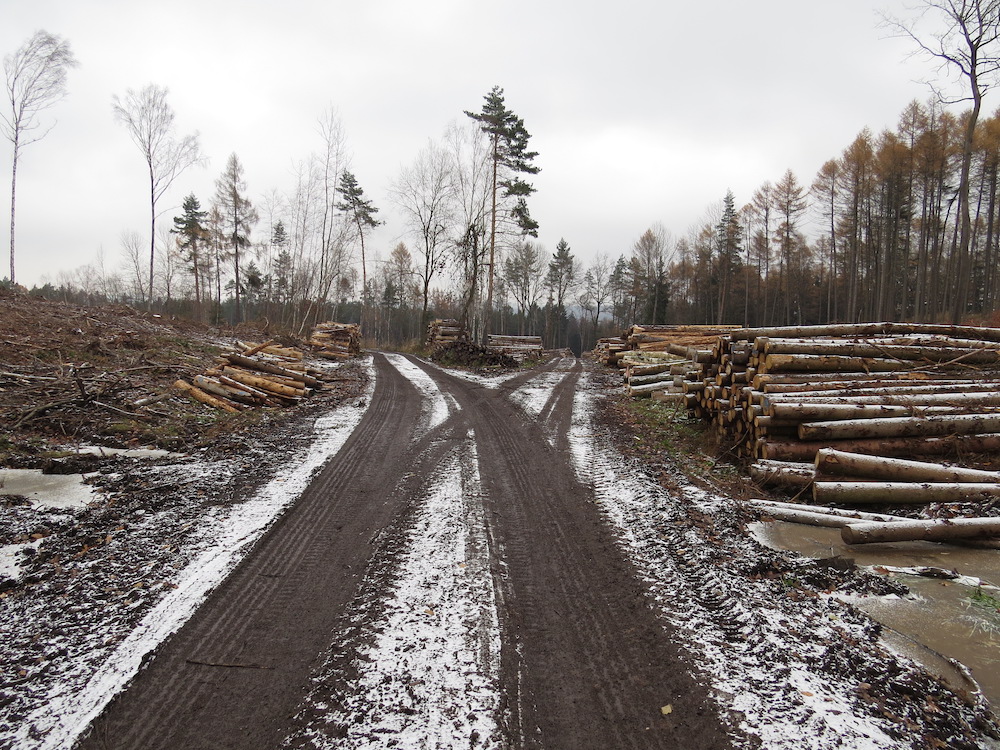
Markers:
point(942, 621)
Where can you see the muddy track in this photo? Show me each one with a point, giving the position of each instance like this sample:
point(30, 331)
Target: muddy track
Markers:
point(233, 675)
point(585, 660)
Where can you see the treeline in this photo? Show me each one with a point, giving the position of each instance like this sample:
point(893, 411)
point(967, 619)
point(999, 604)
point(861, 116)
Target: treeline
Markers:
point(873, 237)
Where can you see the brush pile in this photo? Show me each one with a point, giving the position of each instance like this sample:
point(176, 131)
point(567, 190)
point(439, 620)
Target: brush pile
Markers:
point(255, 375)
point(336, 340)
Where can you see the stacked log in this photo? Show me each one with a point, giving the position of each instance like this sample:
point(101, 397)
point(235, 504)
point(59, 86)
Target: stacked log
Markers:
point(609, 351)
point(659, 375)
point(520, 348)
point(336, 340)
point(443, 332)
point(887, 388)
point(254, 377)
point(859, 479)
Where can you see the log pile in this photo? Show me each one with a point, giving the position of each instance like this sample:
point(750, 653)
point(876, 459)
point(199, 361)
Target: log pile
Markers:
point(336, 340)
point(890, 389)
point(656, 374)
point(519, 348)
point(255, 375)
point(443, 332)
point(838, 477)
point(609, 351)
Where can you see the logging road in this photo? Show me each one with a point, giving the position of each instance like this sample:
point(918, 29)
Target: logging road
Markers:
point(446, 580)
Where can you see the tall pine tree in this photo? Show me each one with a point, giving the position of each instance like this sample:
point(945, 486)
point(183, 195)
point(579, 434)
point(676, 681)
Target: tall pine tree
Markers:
point(510, 158)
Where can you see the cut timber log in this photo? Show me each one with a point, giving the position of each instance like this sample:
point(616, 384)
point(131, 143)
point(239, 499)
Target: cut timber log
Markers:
point(904, 492)
point(830, 461)
point(263, 384)
point(782, 473)
point(256, 364)
point(219, 389)
point(829, 363)
point(939, 530)
point(206, 398)
point(947, 445)
point(933, 425)
point(848, 513)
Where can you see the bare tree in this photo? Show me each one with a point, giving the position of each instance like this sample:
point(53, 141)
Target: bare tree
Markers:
point(965, 43)
point(425, 192)
point(150, 122)
point(131, 244)
point(35, 80)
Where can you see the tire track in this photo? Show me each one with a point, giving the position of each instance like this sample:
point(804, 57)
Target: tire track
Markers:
point(586, 661)
point(234, 674)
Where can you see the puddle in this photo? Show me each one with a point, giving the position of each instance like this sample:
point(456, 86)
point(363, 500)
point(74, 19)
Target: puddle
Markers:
point(47, 490)
point(938, 622)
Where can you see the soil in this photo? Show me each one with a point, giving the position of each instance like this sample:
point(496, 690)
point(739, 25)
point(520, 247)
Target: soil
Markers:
point(497, 561)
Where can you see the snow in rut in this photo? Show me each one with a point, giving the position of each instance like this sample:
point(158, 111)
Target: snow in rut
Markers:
point(428, 679)
point(86, 687)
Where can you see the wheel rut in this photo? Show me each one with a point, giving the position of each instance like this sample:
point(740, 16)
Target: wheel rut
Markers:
point(235, 672)
point(586, 661)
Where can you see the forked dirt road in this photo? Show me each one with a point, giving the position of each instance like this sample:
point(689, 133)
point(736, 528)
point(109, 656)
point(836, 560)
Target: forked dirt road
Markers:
point(278, 653)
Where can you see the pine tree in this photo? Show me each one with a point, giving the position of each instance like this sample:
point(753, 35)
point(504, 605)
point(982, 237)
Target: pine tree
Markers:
point(238, 218)
point(191, 234)
point(362, 213)
point(510, 158)
point(728, 242)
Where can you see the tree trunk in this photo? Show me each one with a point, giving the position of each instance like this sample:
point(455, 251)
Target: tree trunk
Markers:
point(960, 424)
point(831, 461)
point(13, 193)
point(933, 531)
point(905, 492)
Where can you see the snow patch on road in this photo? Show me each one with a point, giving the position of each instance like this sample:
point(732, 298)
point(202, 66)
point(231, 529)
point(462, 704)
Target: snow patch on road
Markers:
point(435, 408)
point(787, 708)
point(533, 395)
point(430, 678)
point(228, 534)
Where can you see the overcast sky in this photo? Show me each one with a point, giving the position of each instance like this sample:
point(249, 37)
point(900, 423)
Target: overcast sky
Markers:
point(641, 112)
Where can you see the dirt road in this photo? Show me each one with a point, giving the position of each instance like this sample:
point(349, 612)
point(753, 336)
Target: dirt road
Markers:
point(561, 646)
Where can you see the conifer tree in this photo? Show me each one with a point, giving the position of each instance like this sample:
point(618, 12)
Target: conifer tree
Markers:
point(510, 158)
point(191, 234)
point(361, 213)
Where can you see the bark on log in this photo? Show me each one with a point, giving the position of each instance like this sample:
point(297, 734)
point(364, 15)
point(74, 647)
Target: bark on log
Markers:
point(218, 389)
point(958, 424)
point(782, 473)
point(851, 349)
point(937, 530)
point(866, 330)
point(831, 461)
point(829, 363)
point(932, 446)
point(263, 383)
point(206, 398)
point(255, 364)
point(849, 513)
point(904, 492)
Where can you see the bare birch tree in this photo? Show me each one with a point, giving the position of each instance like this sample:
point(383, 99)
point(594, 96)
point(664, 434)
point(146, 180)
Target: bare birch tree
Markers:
point(150, 122)
point(424, 191)
point(35, 78)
